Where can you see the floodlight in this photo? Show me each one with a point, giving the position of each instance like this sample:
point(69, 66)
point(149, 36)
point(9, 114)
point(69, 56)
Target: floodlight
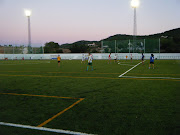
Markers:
point(27, 13)
point(135, 3)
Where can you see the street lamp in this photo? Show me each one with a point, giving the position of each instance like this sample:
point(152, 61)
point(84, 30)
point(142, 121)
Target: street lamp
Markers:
point(28, 14)
point(134, 4)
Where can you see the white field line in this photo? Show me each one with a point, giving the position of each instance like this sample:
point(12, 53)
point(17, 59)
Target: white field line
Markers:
point(130, 69)
point(125, 64)
point(24, 63)
point(20, 64)
point(43, 129)
point(151, 77)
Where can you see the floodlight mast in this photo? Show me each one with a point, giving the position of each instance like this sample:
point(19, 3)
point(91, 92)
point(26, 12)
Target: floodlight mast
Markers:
point(135, 30)
point(28, 14)
point(134, 4)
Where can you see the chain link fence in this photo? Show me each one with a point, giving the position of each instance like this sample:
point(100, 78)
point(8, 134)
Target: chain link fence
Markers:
point(20, 50)
point(128, 46)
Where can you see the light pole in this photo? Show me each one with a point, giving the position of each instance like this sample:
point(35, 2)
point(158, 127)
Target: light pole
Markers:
point(28, 14)
point(134, 4)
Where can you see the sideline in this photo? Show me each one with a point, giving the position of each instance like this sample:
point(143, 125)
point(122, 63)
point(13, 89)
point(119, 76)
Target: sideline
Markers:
point(43, 129)
point(109, 78)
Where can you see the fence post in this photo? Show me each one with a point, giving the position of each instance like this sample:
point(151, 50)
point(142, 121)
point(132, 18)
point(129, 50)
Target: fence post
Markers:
point(115, 46)
point(42, 50)
point(129, 47)
point(159, 47)
point(144, 46)
point(102, 46)
point(4, 52)
point(13, 52)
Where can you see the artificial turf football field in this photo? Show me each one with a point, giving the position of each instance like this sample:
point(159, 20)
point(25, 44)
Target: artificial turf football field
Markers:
point(94, 102)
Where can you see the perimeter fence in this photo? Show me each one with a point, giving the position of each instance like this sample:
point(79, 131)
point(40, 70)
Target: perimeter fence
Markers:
point(129, 46)
point(20, 50)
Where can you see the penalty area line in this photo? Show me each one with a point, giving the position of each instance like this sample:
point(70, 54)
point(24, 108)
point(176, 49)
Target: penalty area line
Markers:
point(130, 69)
point(43, 129)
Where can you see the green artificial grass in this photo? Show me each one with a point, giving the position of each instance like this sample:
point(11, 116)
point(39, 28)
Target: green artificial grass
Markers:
point(111, 105)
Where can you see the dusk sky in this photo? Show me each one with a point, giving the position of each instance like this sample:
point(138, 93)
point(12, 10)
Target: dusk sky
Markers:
point(67, 21)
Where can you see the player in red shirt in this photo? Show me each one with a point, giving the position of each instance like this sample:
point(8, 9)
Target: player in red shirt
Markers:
point(109, 58)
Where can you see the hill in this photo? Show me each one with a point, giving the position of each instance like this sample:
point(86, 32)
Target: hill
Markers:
point(174, 33)
point(170, 41)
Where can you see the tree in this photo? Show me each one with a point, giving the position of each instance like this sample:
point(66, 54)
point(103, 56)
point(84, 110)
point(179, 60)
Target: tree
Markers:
point(51, 47)
point(169, 46)
point(79, 48)
point(59, 50)
point(94, 50)
point(106, 50)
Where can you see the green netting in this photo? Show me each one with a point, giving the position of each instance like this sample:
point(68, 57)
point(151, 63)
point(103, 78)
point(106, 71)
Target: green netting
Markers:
point(152, 46)
point(20, 50)
point(138, 46)
point(125, 46)
point(109, 46)
point(36, 50)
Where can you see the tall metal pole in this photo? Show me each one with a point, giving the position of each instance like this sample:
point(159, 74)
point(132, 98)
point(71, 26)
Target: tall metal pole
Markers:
point(29, 35)
point(134, 30)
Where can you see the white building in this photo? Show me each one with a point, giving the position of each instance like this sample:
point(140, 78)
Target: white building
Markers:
point(92, 45)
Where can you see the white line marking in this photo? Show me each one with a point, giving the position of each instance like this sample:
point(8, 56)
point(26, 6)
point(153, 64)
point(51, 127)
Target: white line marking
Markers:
point(125, 64)
point(23, 63)
point(130, 69)
point(20, 64)
point(151, 77)
point(43, 129)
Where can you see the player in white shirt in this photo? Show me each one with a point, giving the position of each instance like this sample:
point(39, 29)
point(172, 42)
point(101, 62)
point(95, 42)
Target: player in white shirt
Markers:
point(115, 58)
point(90, 58)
